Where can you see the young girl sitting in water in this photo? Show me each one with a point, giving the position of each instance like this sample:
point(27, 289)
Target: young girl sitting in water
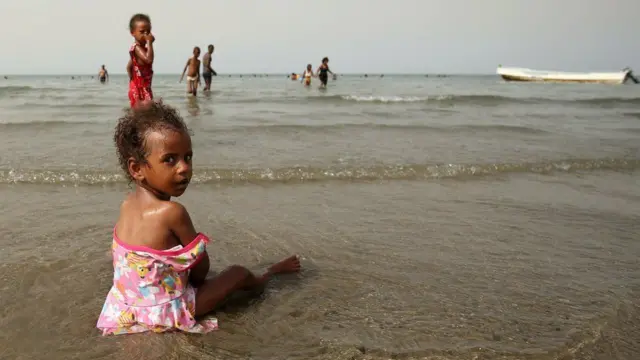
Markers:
point(160, 262)
point(141, 55)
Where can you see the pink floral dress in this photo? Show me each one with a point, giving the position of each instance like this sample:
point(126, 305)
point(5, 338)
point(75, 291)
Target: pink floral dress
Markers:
point(151, 290)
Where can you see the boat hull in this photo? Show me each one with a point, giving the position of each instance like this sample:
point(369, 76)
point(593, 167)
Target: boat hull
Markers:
point(528, 75)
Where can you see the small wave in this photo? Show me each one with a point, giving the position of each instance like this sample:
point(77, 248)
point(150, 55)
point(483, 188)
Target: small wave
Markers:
point(632, 114)
point(44, 124)
point(490, 100)
point(67, 105)
point(301, 174)
point(500, 128)
point(608, 101)
point(449, 100)
point(370, 99)
point(387, 99)
point(287, 128)
point(21, 90)
point(11, 90)
point(629, 130)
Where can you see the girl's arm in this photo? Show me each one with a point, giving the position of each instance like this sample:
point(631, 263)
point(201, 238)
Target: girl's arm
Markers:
point(185, 69)
point(145, 56)
point(180, 224)
point(130, 69)
point(198, 273)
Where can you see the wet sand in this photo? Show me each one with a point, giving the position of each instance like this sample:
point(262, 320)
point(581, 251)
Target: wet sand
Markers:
point(537, 266)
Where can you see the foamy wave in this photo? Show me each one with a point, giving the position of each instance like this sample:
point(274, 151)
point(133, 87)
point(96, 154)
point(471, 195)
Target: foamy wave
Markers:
point(391, 99)
point(300, 174)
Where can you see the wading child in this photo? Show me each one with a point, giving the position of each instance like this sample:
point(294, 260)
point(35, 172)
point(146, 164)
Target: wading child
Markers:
point(160, 261)
point(140, 66)
point(322, 71)
point(308, 73)
point(193, 76)
point(207, 70)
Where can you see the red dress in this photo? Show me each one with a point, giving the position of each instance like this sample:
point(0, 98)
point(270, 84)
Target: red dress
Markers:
point(140, 83)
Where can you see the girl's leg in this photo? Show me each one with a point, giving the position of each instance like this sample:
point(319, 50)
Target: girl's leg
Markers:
point(236, 277)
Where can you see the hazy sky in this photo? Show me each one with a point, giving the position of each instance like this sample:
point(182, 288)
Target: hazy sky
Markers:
point(268, 36)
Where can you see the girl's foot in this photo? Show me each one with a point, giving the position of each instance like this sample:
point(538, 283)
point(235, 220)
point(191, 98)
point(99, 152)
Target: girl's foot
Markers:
point(288, 265)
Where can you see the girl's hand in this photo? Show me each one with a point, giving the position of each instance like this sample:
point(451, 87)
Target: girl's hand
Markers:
point(150, 38)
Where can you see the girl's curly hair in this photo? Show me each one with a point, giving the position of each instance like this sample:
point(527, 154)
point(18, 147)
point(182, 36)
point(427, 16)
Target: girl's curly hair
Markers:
point(133, 128)
point(138, 17)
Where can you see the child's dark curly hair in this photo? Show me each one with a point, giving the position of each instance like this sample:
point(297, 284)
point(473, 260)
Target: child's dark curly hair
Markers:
point(133, 128)
point(138, 17)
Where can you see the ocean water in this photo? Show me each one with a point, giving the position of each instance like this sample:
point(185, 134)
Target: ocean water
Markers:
point(456, 217)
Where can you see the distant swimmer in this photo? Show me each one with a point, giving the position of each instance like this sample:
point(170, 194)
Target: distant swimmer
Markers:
point(141, 56)
point(193, 76)
point(103, 75)
point(207, 70)
point(307, 74)
point(322, 71)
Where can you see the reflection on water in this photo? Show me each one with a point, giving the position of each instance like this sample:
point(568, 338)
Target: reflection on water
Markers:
point(200, 105)
point(193, 108)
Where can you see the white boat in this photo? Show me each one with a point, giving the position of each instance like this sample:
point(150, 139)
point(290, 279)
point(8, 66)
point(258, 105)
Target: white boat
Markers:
point(524, 74)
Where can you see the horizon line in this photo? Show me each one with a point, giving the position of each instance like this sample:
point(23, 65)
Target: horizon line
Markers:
point(257, 73)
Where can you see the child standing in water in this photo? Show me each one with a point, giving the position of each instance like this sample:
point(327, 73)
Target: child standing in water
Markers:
point(103, 74)
point(207, 70)
point(193, 76)
point(308, 73)
point(141, 55)
point(323, 69)
point(160, 261)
